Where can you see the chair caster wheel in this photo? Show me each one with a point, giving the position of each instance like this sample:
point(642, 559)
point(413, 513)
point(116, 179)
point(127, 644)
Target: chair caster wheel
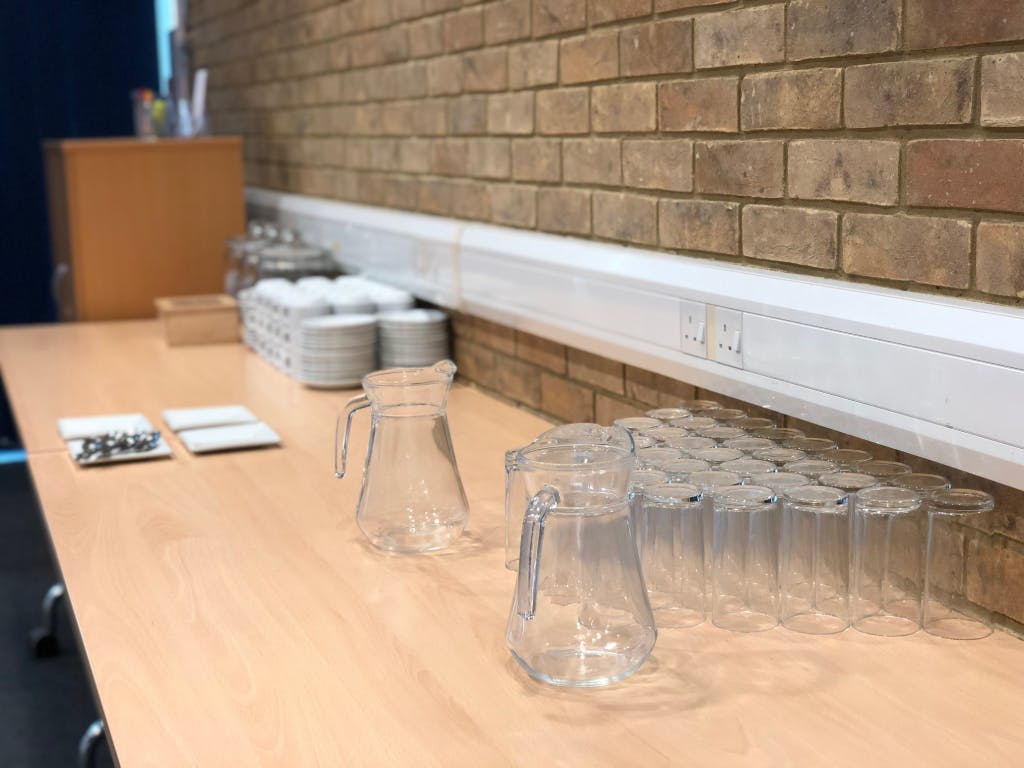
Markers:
point(44, 644)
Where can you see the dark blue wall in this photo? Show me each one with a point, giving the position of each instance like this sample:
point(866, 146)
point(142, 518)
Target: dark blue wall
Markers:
point(66, 70)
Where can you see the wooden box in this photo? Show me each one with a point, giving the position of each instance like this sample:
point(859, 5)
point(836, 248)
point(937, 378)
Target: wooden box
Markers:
point(209, 319)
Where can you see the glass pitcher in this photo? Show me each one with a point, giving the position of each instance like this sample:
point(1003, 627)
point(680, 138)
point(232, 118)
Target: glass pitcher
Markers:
point(515, 495)
point(412, 498)
point(580, 614)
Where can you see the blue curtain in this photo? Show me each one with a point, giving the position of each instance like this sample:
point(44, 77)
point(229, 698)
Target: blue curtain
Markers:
point(66, 71)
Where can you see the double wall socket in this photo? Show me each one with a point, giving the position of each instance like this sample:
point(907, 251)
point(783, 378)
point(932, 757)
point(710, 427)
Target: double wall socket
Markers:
point(693, 328)
point(725, 336)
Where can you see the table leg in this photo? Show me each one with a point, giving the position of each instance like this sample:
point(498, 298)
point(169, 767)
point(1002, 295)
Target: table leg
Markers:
point(44, 637)
point(91, 739)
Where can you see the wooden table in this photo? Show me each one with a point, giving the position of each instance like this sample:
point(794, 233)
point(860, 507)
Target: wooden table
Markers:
point(232, 614)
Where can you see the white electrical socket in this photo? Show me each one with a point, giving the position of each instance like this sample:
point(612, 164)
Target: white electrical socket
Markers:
point(693, 321)
point(725, 336)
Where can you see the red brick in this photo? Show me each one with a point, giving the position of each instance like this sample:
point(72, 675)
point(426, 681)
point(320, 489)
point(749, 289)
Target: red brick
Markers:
point(656, 389)
point(563, 210)
point(803, 98)
point(927, 92)
point(952, 173)
point(845, 169)
point(603, 11)
point(506, 20)
point(608, 409)
point(658, 164)
point(597, 371)
point(426, 38)
point(590, 57)
point(510, 113)
point(518, 381)
point(740, 36)
point(470, 201)
point(565, 399)
point(993, 575)
point(591, 161)
point(489, 158)
point(707, 104)
point(444, 75)
point(514, 205)
point(536, 160)
point(919, 249)
point(533, 64)
point(661, 48)
point(476, 363)
point(948, 23)
point(1000, 258)
point(563, 111)
point(553, 16)
point(540, 351)
point(631, 218)
point(825, 28)
point(744, 168)
point(464, 29)
point(434, 196)
point(625, 107)
point(467, 115)
point(485, 70)
point(788, 234)
point(699, 225)
point(1002, 90)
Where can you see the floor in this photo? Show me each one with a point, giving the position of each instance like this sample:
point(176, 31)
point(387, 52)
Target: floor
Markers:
point(46, 704)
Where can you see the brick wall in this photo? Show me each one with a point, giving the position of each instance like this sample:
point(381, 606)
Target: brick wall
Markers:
point(878, 140)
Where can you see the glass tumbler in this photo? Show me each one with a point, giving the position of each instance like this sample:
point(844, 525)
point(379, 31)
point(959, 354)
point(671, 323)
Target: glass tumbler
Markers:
point(946, 612)
point(679, 471)
point(744, 567)
point(778, 481)
point(639, 481)
point(817, 447)
point(637, 423)
point(779, 456)
point(886, 588)
point(814, 560)
point(849, 458)
point(673, 554)
point(885, 471)
point(665, 415)
point(813, 468)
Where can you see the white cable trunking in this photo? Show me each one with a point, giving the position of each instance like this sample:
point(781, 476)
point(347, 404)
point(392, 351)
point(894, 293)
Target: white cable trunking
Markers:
point(937, 377)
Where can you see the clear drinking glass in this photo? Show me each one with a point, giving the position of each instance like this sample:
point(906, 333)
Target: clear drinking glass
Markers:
point(778, 434)
point(721, 434)
point(749, 445)
point(690, 444)
point(679, 470)
point(746, 467)
point(818, 447)
point(780, 456)
point(814, 560)
point(694, 423)
point(947, 612)
point(750, 423)
point(515, 494)
point(779, 482)
point(885, 471)
point(849, 458)
point(673, 554)
point(745, 586)
point(637, 423)
point(886, 588)
point(412, 498)
point(663, 433)
point(922, 483)
point(813, 468)
point(718, 455)
point(580, 614)
point(722, 414)
point(851, 482)
point(666, 415)
point(652, 458)
point(699, 405)
point(639, 481)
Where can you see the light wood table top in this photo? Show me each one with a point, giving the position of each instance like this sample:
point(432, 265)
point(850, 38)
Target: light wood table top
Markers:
point(232, 613)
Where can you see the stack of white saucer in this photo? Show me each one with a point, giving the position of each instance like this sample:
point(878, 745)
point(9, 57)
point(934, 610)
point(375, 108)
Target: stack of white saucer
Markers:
point(412, 338)
point(335, 350)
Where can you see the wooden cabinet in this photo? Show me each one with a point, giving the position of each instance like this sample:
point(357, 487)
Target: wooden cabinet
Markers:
point(132, 220)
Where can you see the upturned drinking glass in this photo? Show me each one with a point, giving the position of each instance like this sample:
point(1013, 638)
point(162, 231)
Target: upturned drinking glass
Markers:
point(673, 554)
point(886, 583)
point(744, 580)
point(947, 612)
point(814, 560)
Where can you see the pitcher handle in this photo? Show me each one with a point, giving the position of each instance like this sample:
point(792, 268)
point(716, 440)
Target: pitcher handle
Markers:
point(540, 506)
point(353, 405)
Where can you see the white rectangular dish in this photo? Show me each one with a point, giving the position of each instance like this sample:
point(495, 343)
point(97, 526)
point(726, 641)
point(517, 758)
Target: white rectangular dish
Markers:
point(162, 451)
point(236, 436)
point(178, 419)
point(90, 426)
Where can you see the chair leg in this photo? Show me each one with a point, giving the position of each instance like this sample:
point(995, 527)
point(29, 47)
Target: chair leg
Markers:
point(91, 739)
point(43, 638)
